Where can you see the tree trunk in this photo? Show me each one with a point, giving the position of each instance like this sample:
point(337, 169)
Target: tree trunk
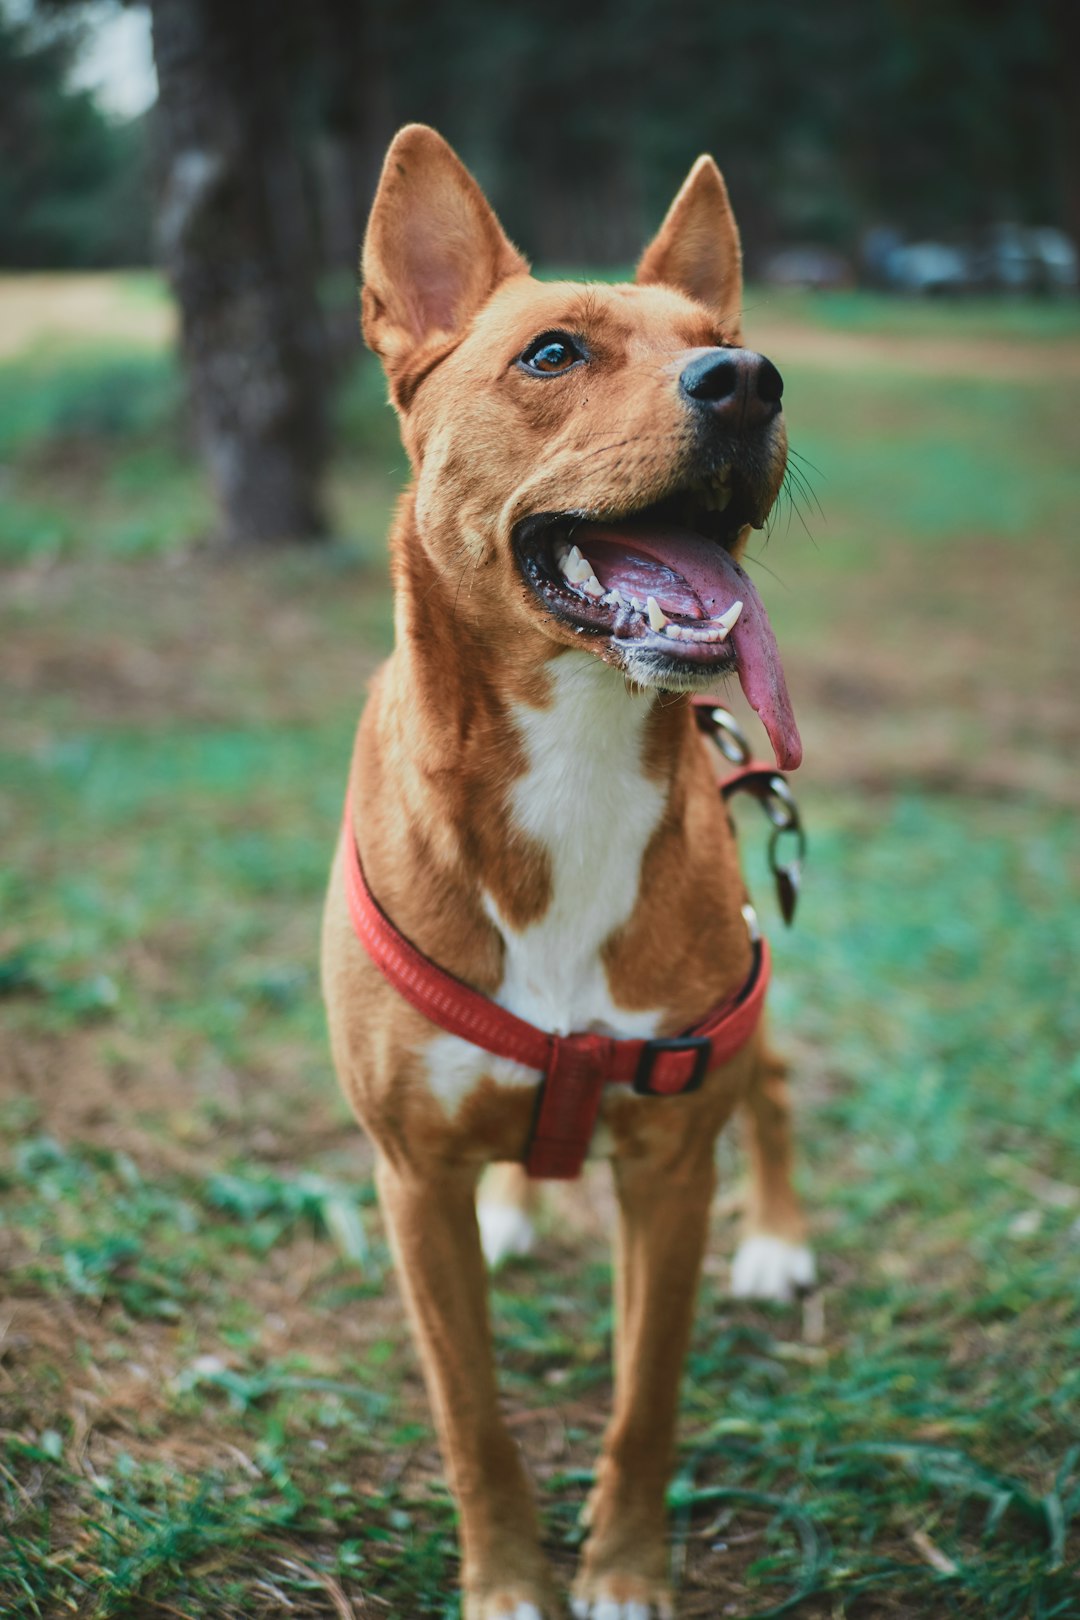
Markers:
point(237, 247)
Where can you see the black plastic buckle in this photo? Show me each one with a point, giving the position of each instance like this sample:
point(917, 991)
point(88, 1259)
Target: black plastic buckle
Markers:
point(672, 1043)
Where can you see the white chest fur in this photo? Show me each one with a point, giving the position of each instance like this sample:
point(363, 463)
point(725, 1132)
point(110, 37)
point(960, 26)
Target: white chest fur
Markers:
point(585, 797)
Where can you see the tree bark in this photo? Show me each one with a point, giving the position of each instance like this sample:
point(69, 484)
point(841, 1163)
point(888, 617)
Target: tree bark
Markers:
point(236, 242)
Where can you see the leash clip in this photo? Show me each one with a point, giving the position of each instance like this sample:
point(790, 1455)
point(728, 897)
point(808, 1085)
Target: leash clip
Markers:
point(771, 790)
point(787, 875)
point(721, 725)
point(779, 805)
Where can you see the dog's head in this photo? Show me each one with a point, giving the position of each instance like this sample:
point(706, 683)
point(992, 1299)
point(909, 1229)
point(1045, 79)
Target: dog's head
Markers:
point(589, 459)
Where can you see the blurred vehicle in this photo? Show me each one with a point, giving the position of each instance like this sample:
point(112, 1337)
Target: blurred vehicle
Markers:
point(927, 268)
point(808, 266)
point(1021, 259)
point(1008, 258)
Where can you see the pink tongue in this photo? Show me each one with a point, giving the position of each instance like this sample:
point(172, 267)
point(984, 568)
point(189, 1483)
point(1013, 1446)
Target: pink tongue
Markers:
point(717, 581)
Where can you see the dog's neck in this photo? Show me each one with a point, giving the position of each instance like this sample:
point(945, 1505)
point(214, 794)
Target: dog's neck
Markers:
point(501, 701)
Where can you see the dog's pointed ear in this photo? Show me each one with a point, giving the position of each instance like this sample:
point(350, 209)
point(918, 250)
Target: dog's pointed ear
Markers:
point(434, 250)
point(697, 247)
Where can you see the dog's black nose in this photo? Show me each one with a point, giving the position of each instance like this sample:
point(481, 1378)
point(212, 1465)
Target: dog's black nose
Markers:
point(739, 388)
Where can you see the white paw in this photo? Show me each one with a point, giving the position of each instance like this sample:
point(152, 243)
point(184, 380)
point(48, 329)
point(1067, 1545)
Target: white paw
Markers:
point(771, 1268)
point(505, 1230)
point(504, 1606)
point(611, 1609)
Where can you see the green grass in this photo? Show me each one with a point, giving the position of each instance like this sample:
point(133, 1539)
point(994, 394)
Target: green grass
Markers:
point(914, 478)
point(105, 424)
point(54, 396)
point(98, 458)
point(984, 318)
point(208, 1403)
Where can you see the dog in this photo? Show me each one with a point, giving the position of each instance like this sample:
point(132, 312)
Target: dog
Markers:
point(533, 828)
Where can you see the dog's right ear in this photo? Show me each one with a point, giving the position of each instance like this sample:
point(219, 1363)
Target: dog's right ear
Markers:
point(433, 253)
point(697, 247)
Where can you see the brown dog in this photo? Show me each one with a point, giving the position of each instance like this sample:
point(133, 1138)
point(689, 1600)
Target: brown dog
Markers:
point(536, 812)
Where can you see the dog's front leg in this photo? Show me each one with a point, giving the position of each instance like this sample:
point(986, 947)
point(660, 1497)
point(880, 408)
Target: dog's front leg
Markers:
point(432, 1219)
point(664, 1213)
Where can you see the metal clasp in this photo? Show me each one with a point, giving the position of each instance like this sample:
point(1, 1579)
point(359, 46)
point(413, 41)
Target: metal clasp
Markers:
point(721, 725)
point(787, 875)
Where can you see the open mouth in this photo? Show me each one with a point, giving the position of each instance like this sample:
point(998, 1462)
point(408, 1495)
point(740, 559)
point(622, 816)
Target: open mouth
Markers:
point(662, 584)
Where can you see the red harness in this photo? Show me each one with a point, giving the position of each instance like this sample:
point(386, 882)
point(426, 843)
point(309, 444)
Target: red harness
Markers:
point(575, 1068)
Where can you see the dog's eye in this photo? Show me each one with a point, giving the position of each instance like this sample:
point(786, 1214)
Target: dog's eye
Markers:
point(550, 354)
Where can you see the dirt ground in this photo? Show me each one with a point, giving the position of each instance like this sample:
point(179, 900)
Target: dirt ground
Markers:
point(90, 309)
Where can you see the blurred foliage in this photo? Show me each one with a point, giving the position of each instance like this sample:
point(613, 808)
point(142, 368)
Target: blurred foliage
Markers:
point(937, 116)
point(73, 184)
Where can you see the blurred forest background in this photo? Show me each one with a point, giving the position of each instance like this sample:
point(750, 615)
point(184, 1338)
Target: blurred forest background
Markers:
point(846, 129)
point(209, 1406)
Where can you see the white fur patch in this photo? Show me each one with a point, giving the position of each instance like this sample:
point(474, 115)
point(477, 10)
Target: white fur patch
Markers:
point(505, 1231)
point(586, 798)
point(771, 1268)
point(454, 1066)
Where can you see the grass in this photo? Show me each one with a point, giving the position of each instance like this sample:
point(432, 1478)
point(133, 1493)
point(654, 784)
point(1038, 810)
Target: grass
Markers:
point(208, 1403)
point(986, 318)
point(915, 479)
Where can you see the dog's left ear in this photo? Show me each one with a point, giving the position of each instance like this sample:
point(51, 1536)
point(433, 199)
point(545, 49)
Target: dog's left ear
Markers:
point(697, 247)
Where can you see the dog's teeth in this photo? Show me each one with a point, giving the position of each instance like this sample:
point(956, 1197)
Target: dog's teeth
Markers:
point(691, 632)
point(637, 604)
point(571, 563)
point(657, 616)
point(577, 569)
point(723, 499)
point(727, 620)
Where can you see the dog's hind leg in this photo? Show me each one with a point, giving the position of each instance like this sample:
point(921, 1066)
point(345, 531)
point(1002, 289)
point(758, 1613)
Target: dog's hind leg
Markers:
point(505, 1212)
point(432, 1221)
point(772, 1260)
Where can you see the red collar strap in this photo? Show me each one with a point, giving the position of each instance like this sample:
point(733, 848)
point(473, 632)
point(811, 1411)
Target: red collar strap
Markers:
point(574, 1068)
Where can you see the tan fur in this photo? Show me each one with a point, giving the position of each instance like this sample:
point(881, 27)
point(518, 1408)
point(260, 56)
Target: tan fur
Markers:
point(448, 304)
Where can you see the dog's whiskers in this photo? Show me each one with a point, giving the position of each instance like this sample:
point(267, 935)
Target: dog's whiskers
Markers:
point(803, 479)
